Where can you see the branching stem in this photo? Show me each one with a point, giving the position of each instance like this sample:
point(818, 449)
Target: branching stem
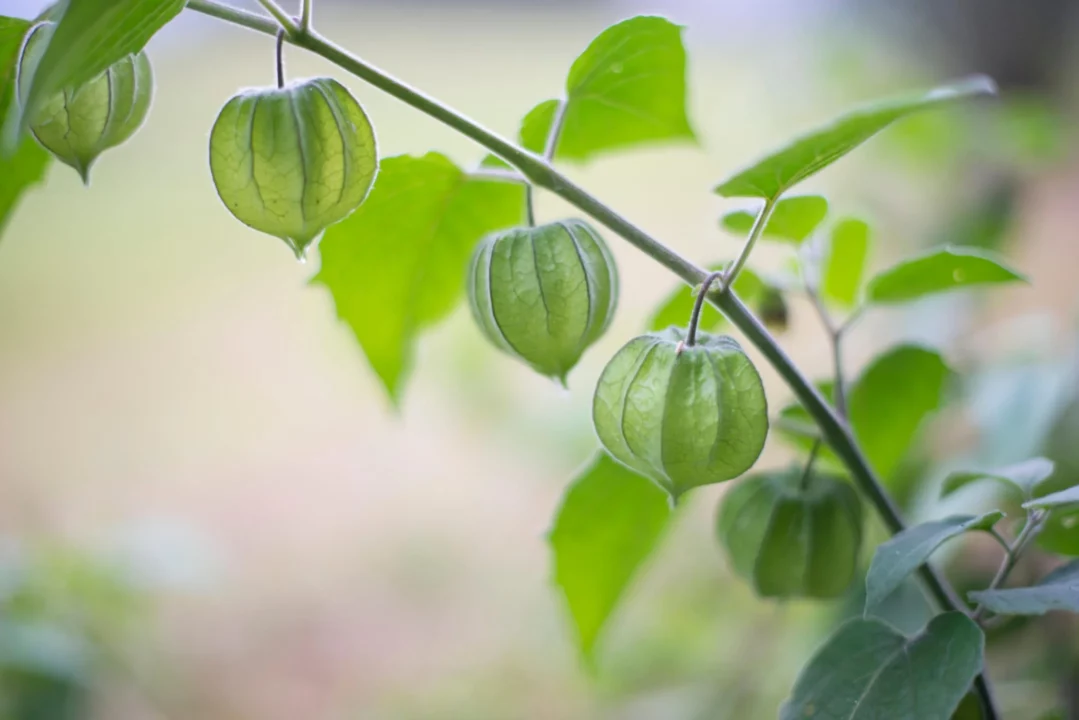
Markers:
point(539, 171)
point(698, 306)
point(754, 234)
point(306, 10)
point(1034, 524)
point(280, 16)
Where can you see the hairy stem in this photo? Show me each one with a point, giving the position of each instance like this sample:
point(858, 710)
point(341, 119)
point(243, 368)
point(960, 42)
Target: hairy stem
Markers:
point(540, 172)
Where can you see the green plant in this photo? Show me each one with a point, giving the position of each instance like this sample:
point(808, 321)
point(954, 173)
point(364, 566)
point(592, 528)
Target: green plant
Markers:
point(423, 217)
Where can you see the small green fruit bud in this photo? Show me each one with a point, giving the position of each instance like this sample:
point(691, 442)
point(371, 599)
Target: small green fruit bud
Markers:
point(78, 124)
point(544, 293)
point(292, 161)
point(793, 539)
point(683, 415)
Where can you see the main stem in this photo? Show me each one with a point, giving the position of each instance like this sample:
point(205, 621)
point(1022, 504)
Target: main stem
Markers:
point(539, 172)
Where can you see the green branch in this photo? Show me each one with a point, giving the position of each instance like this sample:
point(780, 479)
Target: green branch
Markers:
point(539, 171)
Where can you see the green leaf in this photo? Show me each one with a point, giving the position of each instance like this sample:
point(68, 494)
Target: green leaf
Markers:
point(942, 270)
point(793, 219)
point(609, 523)
point(841, 275)
point(905, 552)
point(1055, 501)
point(1025, 476)
point(26, 166)
point(1059, 590)
point(888, 403)
point(868, 670)
point(678, 306)
point(626, 89)
point(90, 36)
point(788, 166)
point(397, 265)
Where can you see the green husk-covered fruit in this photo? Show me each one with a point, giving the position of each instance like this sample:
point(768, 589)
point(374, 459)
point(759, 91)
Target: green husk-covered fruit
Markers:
point(292, 161)
point(793, 535)
point(78, 124)
point(683, 415)
point(544, 294)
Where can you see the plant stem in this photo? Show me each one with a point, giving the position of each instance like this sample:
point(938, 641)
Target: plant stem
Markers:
point(539, 172)
point(305, 15)
point(555, 134)
point(835, 338)
point(1030, 531)
point(281, 58)
point(280, 15)
point(754, 233)
point(695, 317)
point(808, 471)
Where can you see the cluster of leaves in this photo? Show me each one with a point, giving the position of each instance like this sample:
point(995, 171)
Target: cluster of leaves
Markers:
point(395, 267)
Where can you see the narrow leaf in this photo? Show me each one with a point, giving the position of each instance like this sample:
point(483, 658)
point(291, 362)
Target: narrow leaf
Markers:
point(397, 265)
point(892, 398)
point(1055, 501)
point(778, 172)
point(608, 525)
point(628, 88)
point(940, 271)
point(1024, 477)
point(678, 306)
point(793, 219)
point(905, 552)
point(868, 670)
point(841, 276)
point(1059, 590)
point(26, 166)
point(90, 36)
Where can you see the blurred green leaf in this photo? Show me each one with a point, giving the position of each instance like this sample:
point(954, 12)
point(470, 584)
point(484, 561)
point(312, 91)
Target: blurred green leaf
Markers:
point(939, 271)
point(892, 398)
point(627, 88)
point(793, 219)
point(609, 523)
point(90, 36)
point(1059, 590)
point(1024, 476)
point(1060, 500)
point(868, 669)
point(778, 172)
point(678, 306)
point(397, 265)
point(26, 166)
point(969, 709)
point(905, 552)
point(844, 265)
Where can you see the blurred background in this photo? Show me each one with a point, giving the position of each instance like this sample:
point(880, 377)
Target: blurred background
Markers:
point(209, 509)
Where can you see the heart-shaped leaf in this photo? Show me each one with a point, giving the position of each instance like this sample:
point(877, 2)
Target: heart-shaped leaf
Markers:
point(610, 521)
point(788, 166)
point(793, 219)
point(397, 265)
point(905, 552)
point(626, 89)
point(868, 670)
point(1059, 590)
point(940, 271)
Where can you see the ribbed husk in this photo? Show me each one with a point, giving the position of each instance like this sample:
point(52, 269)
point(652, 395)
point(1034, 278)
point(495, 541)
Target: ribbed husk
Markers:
point(789, 540)
point(683, 416)
point(292, 161)
point(544, 294)
point(78, 124)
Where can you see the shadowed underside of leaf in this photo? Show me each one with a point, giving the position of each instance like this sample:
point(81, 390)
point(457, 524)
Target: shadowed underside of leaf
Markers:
point(868, 670)
point(1059, 590)
point(609, 523)
point(627, 88)
point(397, 264)
point(785, 168)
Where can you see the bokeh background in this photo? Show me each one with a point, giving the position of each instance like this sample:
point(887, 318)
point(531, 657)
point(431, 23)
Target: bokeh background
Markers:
point(209, 509)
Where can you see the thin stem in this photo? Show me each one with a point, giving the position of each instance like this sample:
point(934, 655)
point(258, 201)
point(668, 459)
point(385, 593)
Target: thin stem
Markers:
point(754, 233)
point(281, 58)
point(555, 134)
point(539, 172)
point(530, 207)
point(695, 317)
point(1030, 531)
point(305, 15)
point(808, 471)
point(835, 339)
point(498, 175)
point(280, 16)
